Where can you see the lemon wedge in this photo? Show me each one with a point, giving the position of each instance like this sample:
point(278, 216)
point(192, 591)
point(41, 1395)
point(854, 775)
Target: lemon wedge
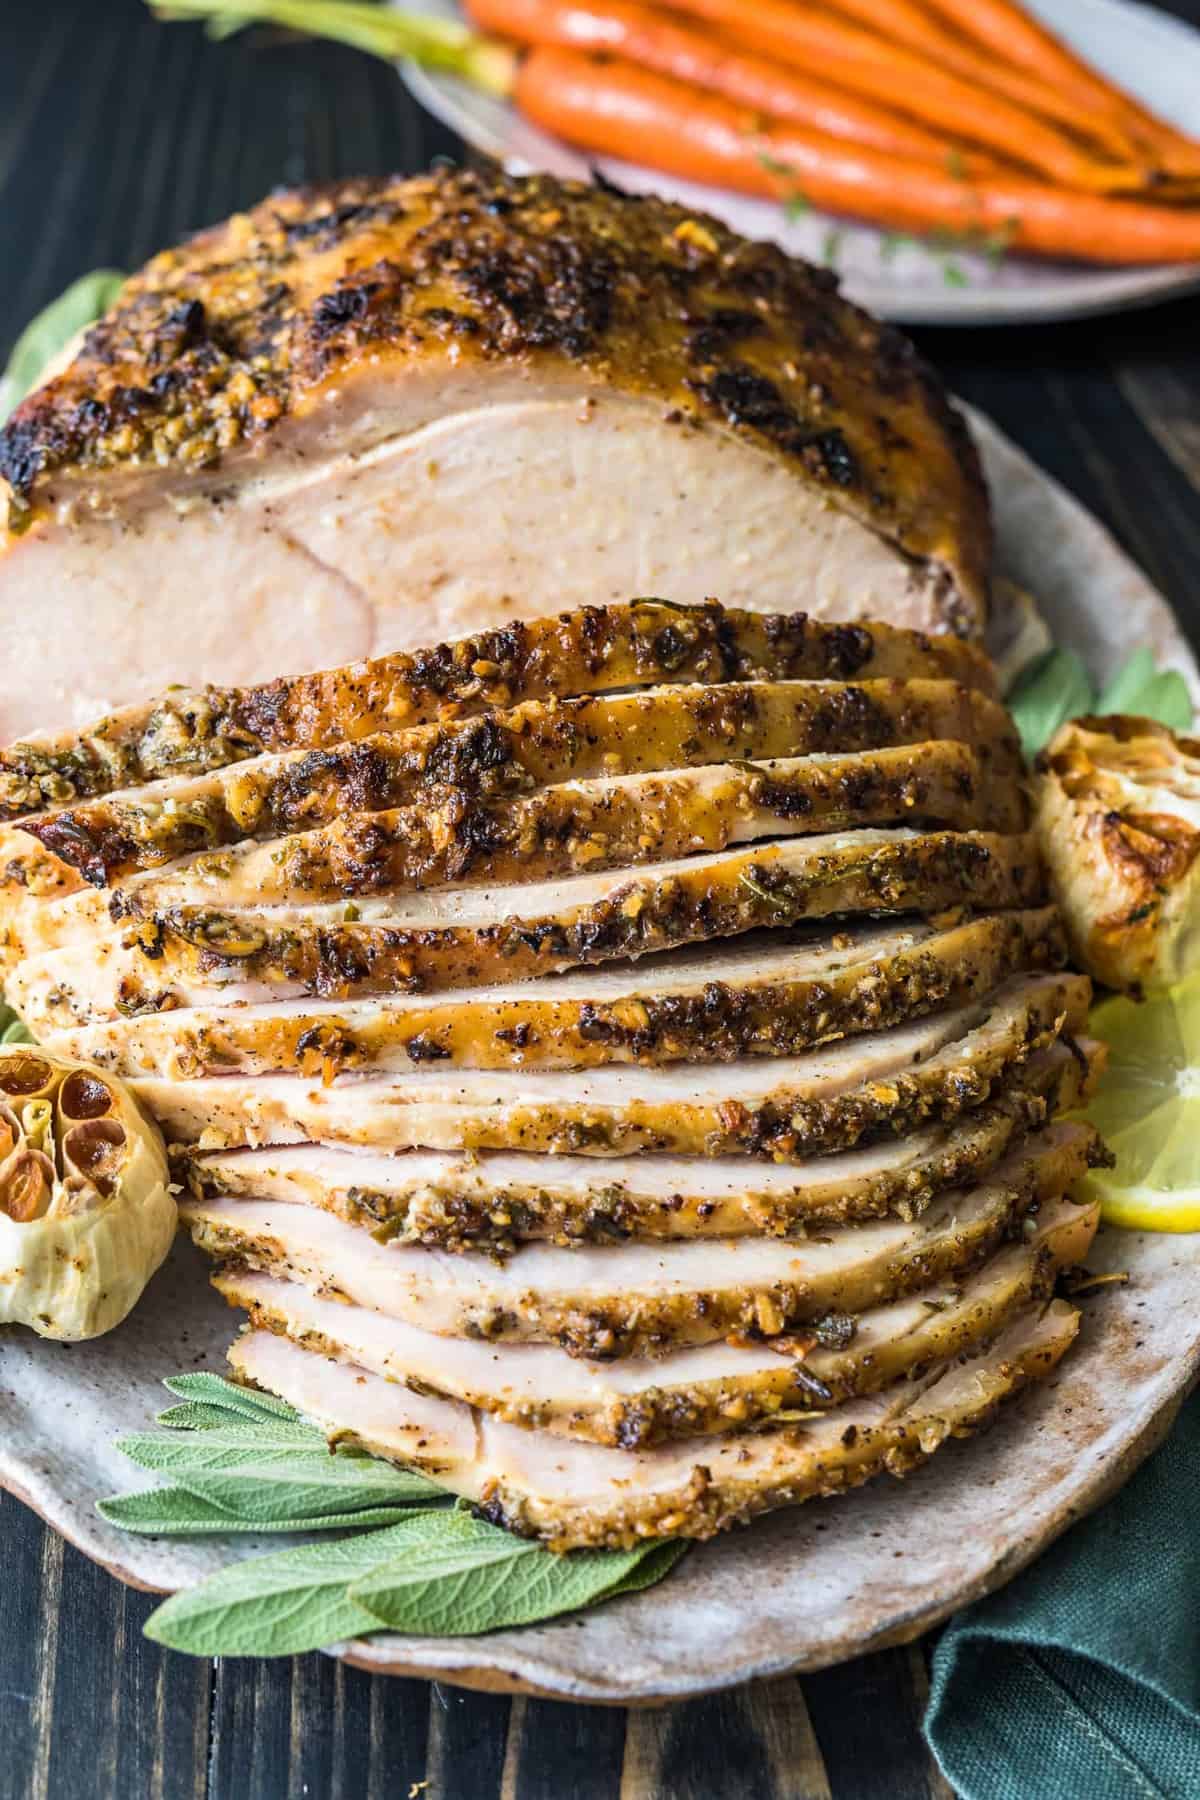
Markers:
point(1147, 1108)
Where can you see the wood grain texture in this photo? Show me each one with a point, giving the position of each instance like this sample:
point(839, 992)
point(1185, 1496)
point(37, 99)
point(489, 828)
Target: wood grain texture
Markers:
point(118, 135)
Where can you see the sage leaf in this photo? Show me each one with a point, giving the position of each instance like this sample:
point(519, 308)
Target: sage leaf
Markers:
point(216, 1391)
point(1138, 687)
point(271, 1479)
point(197, 1415)
point(277, 1605)
point(452, 1575)
point(1123, 689)
point(175, 1512)
point(1053, 688)
point(12, 1029)
point(1170, 701)
point(52, 330)
point(657, 1562)
point(282, 1432)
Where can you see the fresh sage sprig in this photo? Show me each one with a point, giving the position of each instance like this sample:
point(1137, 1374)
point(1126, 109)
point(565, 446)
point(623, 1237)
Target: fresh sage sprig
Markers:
point(52, 330)
point(278, 1605)
point(436, 1574)
point(455, 1576)
point(1056, 687)
point(12, 1029)
point(241, 1461)
point(1140, 687)
point(174, 1512)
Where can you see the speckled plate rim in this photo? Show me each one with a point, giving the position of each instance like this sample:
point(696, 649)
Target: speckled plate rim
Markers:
point(642, 1649)
point(484, 1678)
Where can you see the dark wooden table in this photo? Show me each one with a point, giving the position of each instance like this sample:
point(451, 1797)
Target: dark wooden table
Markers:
point(117, 135)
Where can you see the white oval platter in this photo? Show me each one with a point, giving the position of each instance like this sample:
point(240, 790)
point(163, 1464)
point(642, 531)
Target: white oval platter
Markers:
point(798, 1590)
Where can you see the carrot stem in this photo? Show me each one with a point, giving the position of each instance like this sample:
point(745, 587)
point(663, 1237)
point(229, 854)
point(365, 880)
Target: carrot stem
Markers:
point(434, 43)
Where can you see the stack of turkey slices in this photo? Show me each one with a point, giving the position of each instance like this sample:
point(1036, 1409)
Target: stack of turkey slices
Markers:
point(615, 1061)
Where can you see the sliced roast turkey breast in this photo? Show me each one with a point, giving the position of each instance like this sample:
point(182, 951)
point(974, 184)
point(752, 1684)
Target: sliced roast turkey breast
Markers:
point(759, 995)
point(593, 650)
point(96, 953)
point(933, 1069)
point(577, 1495)
point(450, 825)
point(686, 1393)
point(405, 404)
point(640, 1299)
point(494, 1200)
point(554, 835)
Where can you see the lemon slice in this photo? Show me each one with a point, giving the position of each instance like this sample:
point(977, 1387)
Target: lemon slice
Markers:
point(1147, 1108)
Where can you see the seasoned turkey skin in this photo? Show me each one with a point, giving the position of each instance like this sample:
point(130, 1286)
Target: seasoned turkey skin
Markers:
point(203, 416)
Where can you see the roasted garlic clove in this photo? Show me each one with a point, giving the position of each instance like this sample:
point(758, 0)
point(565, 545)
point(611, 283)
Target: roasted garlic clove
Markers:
point(1117, 811)
point(86, 1212)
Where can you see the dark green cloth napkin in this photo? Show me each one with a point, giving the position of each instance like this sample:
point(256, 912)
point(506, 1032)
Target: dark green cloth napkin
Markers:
point(1081, 1679)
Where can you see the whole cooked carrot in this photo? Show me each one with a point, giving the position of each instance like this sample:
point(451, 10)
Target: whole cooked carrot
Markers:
point(1009, 31)
point(812, 39)
point(693, 55)
point(911, 24)
point(613, 108)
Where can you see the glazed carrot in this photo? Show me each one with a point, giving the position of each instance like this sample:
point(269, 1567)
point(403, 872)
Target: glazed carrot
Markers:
point(911, 24)
point(1007, 30)
point(613, 108)
point(693, 55)
point(813, 39)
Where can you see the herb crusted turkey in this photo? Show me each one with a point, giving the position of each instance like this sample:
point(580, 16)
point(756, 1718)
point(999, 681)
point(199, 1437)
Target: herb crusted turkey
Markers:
point(412, 406)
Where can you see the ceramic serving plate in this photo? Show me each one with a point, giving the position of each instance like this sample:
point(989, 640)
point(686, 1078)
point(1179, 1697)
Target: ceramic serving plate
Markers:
point(1154, 56)
point(800, 1589)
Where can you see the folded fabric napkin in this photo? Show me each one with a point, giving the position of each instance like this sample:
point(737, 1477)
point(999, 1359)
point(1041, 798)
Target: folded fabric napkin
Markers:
point(1081, 1679)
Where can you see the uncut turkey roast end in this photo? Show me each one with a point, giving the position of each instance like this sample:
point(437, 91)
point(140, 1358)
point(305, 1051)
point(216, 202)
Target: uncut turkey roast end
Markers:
point(391, 412)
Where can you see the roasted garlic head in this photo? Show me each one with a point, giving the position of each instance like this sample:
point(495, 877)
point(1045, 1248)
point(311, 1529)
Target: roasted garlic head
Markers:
point(1117, 810)
point(86, 1211)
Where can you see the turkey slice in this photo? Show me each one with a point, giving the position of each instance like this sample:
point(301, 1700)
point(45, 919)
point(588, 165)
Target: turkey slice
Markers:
point(935, 1068)
point(478, 762)
point(576, 1495)
point(638, 1299)
point(761, 995)
point(687, 1393)
point(494, 1200)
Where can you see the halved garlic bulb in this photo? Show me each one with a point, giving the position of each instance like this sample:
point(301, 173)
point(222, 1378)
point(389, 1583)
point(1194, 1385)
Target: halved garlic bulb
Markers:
point(86, 1211)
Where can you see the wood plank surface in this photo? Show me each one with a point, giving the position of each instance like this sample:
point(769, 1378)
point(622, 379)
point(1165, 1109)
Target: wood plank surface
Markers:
point(117, 135)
